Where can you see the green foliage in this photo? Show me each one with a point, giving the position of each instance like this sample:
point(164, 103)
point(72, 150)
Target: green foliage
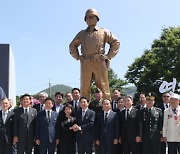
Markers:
point(114, 81)
point(17, 101)
point(160, 63)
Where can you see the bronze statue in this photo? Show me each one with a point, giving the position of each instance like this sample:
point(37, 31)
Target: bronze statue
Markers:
point(94, 61)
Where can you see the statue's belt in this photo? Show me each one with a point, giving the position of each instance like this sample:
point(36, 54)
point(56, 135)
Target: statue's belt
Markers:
point(92, 58)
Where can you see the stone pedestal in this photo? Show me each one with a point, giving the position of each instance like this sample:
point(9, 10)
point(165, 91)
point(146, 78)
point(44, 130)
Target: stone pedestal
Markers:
point(7, 71)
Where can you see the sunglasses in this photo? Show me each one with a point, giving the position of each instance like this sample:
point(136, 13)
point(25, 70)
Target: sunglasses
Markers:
point(166, 96)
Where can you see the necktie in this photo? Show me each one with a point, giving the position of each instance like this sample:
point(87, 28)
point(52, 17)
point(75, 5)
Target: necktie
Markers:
point(4, 117)
point(41, 107)
point(149, 110)
point(75, 106)
point(83, 114)
point(48, 116)
point(127, 114)
point(105, 119)
point(115, 105)
point(26, 115)
point(167, 106)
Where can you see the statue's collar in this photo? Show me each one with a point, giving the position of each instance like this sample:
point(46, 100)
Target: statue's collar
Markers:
point(95, 28)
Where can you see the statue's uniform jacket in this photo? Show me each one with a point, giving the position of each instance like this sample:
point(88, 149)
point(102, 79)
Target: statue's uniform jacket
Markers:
point(92, 46)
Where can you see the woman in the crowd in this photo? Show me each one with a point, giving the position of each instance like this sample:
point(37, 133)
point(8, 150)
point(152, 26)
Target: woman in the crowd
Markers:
point(67, 137)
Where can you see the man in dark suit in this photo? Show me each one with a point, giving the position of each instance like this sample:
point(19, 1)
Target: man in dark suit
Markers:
point(115, 95)
point(163, 106)
point(6, 127)
point(11, 108)
point(40, 106)
point(142, 102)
point(76, 96)
point(121, 107)
point(142, 105)
point(84, 127)
point(58, 106)
point(46, 135)
point(68, 97)
point(107, 129)
point(24, 126)
point(129, 127)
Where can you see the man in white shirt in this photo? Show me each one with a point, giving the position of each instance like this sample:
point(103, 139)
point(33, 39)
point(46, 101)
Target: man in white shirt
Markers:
point(84, 127)
point(142, 102)
point(58, 106)
point(115, 95)
point(76, 96)
point(171, 125)
point(46, 135)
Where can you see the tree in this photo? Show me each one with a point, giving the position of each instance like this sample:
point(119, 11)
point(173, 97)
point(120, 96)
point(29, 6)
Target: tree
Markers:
point(160, 63)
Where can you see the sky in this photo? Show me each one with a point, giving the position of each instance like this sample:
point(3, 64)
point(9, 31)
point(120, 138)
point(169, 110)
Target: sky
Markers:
point(40, 31)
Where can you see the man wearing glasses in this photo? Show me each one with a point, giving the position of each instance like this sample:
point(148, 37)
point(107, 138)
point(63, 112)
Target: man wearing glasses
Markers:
point(164, 105)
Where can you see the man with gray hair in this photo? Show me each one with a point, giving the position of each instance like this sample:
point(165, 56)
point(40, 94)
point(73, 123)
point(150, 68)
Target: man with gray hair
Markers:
point(39, 107)
point(42, 97)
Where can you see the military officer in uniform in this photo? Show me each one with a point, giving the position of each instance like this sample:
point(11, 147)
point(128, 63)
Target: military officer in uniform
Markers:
point(94, 61)
point(150, 127)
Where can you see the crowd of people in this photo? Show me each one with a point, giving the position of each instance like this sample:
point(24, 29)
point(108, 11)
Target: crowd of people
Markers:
point(104, 126)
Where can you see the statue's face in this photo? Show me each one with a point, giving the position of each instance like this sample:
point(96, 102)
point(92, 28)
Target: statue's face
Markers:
point(91, 20)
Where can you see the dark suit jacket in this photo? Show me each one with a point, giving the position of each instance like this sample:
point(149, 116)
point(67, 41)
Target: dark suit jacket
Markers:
point(107, 133)
point(129, 129)
point(138, 106)
point(112, 105)
point(37, 107)
point(161, 106)
point(22, 127)
point(46, 131)
point(6, 130)
point(87, 125)
point(78, 107)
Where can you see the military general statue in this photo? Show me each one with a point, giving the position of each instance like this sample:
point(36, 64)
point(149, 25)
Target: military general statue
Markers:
point(94, 61)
